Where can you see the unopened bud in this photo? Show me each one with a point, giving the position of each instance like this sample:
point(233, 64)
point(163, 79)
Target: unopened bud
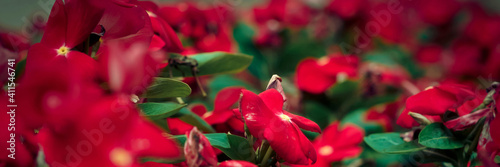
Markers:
point(422, 120)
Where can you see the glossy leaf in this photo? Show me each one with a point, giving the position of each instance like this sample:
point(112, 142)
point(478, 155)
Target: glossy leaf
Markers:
point(210, 64)
point(391, 143)
point(436, 135)
point(160, 110)
point(191, 118)
point(166, 87)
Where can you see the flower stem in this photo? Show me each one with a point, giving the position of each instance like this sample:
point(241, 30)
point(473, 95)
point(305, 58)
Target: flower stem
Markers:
point(269, 152)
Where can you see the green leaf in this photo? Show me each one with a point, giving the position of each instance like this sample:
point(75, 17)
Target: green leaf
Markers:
point(216, 139)
point(160, 110)
point(191, 118)
point(436, 135)
point(391, 143)
point(212, 63)
point(166, 87)
point(235, 147)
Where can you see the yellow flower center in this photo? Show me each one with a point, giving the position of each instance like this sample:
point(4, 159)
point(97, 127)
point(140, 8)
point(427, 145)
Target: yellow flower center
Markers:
point(62, 51)
point(120, 157)
point(285, 117)
point(325, 150)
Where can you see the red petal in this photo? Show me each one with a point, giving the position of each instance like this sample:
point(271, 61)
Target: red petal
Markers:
point(405, 120)
point(465, 121)
point(340, 154)
point(433, 101)
point(349, 136)
point(311, 78)
point(120, 21)
point(39, 54)
point(233, 163)
point(55, 31)
point(256, 114)
point(304, 123)
point(219, 117)
point(156, 43)
point(83, 17)
point(172, 42)
point(147, 140)
point(273, 100)
point(291, 145)
point(226, 98)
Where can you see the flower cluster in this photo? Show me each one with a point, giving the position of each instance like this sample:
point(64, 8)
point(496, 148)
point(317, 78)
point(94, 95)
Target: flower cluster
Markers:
point(194, 83)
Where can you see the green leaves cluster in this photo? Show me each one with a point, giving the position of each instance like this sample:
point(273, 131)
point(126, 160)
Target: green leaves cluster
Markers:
point(434, 143)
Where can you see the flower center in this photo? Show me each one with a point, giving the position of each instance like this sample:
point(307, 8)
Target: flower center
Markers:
point(62, 51)
point(325, 150)
point(150, 14)
point(120, 157)
point(285, 117)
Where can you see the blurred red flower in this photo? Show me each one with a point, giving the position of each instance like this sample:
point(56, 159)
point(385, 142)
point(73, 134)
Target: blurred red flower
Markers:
point(435, 101)
point(266, 120)
point(317, 75)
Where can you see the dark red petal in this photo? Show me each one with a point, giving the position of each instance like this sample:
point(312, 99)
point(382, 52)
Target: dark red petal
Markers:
point(349, 136)
point(273, 100)
point(83, 17)
point(330, 133)
point(341, 154)
point(304, 123)
point(226, 98)
point(38, 55)
point(219, 117)
point(156, 43)
point(290, 144)
point(465, 121)
point(406, 121)
point(256, 114)
point(311, 78)
point(198, 150)
point(83, 64)
point(55, 31)
point(147, 140)
point(433, 101)
point(233, 163)
point(338, 63)
point(172, 42)
point(120, 21)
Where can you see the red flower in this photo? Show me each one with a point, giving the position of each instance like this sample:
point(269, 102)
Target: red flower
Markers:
point(208, 28)
point(236, 164)
point(109, 132)
point(164, 37)
point(24, 147)
point(483, 27)
point(266, 120)
point(336, 144)
point(317, 75)
point(435, 101)
point(346, 8)
point(69, 24)
point(222, 117)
